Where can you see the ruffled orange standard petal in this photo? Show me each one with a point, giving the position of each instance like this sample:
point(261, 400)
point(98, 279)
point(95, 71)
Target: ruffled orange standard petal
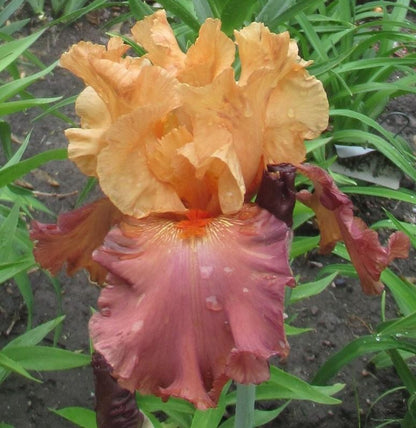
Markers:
point(112, 74)
point(155, 35)
point(212, 53)
point(122, 166)
point(184, 312)
point(222, 118)
point(78, 58)
point(73, 239)
point(336, 221)
point(86, 142)
point(260, 49)
point(293, 104)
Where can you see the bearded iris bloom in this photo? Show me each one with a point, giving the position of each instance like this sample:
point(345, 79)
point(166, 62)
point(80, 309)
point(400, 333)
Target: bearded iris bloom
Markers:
point(193, 272)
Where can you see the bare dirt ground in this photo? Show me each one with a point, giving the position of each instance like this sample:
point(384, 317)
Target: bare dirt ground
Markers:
point(337, 316)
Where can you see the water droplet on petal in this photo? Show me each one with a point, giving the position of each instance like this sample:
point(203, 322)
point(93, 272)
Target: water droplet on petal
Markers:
point(206, 271)
point(213, 304)
point(105, 311)
point(137, 326)
point(245, 290)
point(291, 113)
point(228, 270)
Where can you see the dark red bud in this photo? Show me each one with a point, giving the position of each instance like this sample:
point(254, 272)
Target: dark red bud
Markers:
point(277, 192)
point(115, 406)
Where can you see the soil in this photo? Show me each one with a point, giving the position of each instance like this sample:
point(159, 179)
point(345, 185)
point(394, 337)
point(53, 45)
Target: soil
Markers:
point(337, 316)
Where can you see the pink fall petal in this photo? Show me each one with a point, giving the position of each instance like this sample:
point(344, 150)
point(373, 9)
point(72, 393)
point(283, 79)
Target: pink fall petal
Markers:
point(73, 239)
point(335, 218)
point(192, 303)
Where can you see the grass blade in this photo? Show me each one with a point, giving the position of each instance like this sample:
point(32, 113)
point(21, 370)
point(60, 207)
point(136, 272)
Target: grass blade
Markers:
point(13, 172)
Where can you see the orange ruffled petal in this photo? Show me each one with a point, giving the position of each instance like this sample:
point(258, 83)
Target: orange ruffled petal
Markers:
point(73, 239)
point(156, 36)
point(173, 131)
point(184, 312)
point(335, 218)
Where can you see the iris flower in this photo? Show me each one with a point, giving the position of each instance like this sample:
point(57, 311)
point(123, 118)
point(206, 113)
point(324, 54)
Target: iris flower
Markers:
point(193, 272)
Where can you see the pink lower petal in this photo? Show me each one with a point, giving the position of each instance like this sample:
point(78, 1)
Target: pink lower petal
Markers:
point(336, 221)
point(185, 312)
point(73, 239)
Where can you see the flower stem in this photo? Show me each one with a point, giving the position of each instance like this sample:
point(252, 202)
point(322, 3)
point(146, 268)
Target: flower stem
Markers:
point(244, 411)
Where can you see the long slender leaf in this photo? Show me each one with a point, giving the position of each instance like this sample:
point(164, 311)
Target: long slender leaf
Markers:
point(211, 417)
point(361, 346)
point(15, 86)
point(303, 291)
point(9, 364)
point(139, 9)
point(202, 10)
point(7, 232)
point(37, 334)
point(10, 269)
point(11, 173)
point(382, 192)
point(303, 244)
point(283, 385)
point(180, 11)
point(261, 417)
point(79, 416)
point(43, 358)
point(15, 106)
point(9, 10)
point(234, 13)
point(10, 51)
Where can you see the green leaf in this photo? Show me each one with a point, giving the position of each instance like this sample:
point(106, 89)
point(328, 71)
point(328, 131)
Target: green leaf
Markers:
point(272, 10)
point(15, 367)
point(216, 7)
point(234, 13)
point(15, 86)
point(202, 10)
point(6, 139)
point(303, 291)
point(10, 269)
point(361, 346)
point(281, 15)
point(152, 403)
point(10, 51)
point(7, 232)
point(382, 192)
point(9, 10)
point(76, 14)
point(290, 330)
point(382, 360)
point(283, 385)
point(46, 358)
point(316, 143)
point(80, 416)
point(15, 158)
point(261, 417)
point(11, 173)
point(25, 287)
point(301, 214)
point(15, 106)
point(180, 11)
point(34, 336)
point(211, 417)
point(139, 9)
point(405, 326)
point(303, 244)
